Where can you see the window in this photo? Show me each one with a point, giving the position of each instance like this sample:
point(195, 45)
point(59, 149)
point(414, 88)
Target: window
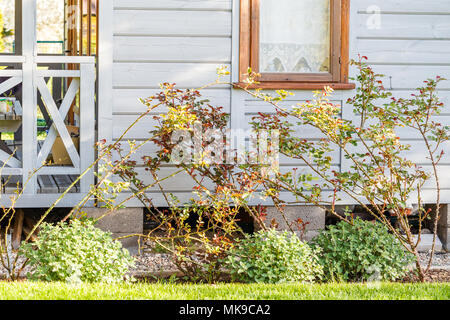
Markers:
point(295, 44)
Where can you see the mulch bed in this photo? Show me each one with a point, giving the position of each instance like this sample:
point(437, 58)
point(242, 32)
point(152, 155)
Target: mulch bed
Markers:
point(439, 275)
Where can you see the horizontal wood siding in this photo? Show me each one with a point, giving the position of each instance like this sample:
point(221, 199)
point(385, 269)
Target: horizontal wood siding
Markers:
point(143, 22)
point(410, 44)
point(126, 101)
point(383, 51)
point(406, 26)
point(404, 6)
point(184, 41)
point(208, 5)
point(174, 49)
point(176, 41)
point(150, 75)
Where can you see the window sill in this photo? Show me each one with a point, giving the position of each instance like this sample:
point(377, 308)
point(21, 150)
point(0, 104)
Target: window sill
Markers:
point(296, 86)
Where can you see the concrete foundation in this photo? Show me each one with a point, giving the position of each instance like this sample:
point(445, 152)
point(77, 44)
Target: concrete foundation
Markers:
point(121, 223)
point(314, 216)
point(426, 243)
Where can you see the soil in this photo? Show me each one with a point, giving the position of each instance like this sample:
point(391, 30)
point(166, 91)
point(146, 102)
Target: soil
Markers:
point(435, 275)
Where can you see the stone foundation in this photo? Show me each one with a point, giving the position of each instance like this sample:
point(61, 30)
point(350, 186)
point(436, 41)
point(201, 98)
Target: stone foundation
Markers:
point(121, 223)
point(314, 216)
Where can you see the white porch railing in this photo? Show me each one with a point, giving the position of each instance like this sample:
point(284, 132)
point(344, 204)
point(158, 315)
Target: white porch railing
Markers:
point(33, 81)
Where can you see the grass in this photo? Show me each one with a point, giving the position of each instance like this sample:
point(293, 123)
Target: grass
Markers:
point(167, 291)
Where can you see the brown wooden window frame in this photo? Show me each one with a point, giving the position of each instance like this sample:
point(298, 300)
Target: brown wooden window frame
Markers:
point(337, 78)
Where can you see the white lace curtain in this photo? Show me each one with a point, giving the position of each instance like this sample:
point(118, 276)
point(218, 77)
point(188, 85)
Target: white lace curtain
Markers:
point(295, 36)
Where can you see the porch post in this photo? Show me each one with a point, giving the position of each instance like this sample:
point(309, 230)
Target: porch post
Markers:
point(29, 96)
point(18, 28)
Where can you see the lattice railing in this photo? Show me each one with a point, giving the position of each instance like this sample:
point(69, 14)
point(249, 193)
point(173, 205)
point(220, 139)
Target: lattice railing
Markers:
point(31, 155)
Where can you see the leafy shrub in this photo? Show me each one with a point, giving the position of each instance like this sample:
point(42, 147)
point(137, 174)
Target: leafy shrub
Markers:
point(360, 252)
point(77, 252)
point(380, 173)
point(273, 257)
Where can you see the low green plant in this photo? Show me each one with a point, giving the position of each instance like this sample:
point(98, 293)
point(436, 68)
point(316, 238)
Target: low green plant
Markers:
point(273, 257)
point(361, 251)
point(76, 252)
point(380, 175)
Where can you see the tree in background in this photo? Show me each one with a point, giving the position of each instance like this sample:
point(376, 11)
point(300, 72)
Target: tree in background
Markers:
point(6, 26)
point(50, 24)
point(50, 20)
point(4, 33)
point(2, 42)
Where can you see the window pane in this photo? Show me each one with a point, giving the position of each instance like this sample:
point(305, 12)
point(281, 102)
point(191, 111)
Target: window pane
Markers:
point(7, 24)
point(295, 36)
point(50, 26)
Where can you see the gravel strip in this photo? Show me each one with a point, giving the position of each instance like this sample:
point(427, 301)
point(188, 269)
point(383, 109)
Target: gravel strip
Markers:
point(19, 264)
point(440, 260)
point(153, 263)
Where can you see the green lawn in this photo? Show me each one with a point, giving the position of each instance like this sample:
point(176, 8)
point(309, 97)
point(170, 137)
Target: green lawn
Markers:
point(35, 290)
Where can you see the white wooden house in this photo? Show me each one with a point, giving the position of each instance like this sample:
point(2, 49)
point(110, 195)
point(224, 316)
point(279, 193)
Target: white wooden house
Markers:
point(142, 43)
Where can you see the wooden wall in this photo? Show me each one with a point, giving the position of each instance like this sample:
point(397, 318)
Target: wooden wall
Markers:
point(183, 41)
point(180, 41)
point(411, 45)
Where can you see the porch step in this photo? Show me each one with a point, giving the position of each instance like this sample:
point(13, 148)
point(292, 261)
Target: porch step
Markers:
point(57, 184)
